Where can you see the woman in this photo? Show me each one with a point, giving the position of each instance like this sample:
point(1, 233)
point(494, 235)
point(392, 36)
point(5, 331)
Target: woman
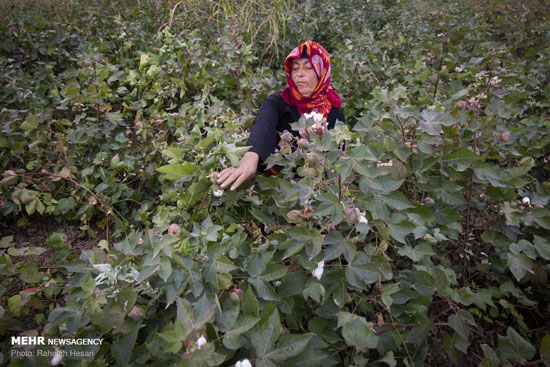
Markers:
point(307, 70)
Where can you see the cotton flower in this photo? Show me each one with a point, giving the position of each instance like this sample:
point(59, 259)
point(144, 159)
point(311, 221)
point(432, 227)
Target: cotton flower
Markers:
point(318, 272)
point(526, 201)
point(218, 193)
point(201, 341)
point(244, 363)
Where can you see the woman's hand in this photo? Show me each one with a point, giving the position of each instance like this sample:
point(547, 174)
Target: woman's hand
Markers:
point(319, 128)
point(246, 169)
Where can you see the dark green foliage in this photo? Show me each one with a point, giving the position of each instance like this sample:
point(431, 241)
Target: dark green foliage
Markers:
point(418, 234)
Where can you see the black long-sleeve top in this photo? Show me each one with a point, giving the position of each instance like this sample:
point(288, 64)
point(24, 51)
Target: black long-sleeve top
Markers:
point(275, 116)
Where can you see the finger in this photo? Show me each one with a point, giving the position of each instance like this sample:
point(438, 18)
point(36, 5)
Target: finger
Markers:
point(230, 179)
point(242, 178)
point(219, 174)
point(225, 174)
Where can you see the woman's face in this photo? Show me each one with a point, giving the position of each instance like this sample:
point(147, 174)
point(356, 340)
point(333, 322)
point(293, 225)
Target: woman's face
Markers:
point(304, 76)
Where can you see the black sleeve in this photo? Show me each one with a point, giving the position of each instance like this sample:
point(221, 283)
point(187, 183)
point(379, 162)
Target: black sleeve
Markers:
point(340, 115)
point(335, 114)
point(263, 135)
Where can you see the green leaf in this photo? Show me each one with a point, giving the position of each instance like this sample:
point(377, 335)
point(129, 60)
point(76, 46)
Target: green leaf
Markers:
point(30, 123)
point(330, 206)
point(519, 265)
point(460, 326)
point(418, 252)
point(250, 305)
point(266, 333)
point(338, 245)
point(419, 333)
point(397, 201)
point(432, 120)
point(514, 348)
point(56, 240)
point(122, 348)
point(290, 346)
point(258, 262)
point(315, 291)
point(542, 246)
point(223, 265)
point(26, 251)
point(232, 339)
point(194, 316)
point(264, 290)
point(360, 273)
point(273, 272)
point(176, 170)
point(460, 159)
point(66, 204)
point(490, 357)
point(399, 230)
point(358, 334)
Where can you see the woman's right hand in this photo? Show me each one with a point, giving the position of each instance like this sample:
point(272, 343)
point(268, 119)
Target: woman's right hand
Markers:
point(247, 168)
point(319, 128)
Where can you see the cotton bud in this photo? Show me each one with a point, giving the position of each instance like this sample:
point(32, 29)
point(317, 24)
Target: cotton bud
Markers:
point(461, 104)
point(303, 143)
point(428, 201)
point(294, 215)
point(139, 124)
point(136, 313)
point(352, 215)
point(505, 136)
point(430, 239)
point(174, 229)
point(309, 172)
point(286, 136)
point(318, 272)
point(313, 158)
point(526, 201)
point(201, 341)
point(236, 296)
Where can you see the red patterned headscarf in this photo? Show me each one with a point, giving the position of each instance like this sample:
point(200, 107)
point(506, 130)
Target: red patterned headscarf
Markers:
point(323, 97)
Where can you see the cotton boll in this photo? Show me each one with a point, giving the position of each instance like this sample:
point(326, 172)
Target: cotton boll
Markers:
point(56, 360)
point(201, 341)
point(318, 272)
point(526, 201)
point(218, 193)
